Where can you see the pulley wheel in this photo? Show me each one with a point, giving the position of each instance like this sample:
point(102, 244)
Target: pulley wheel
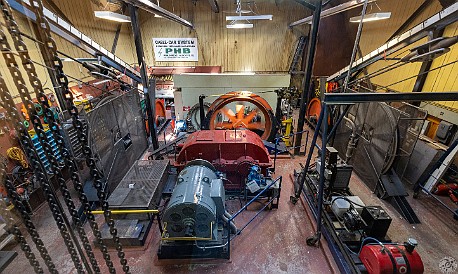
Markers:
point(160, 111)
point(242, 109)
point(314, 110)
point(193, 117)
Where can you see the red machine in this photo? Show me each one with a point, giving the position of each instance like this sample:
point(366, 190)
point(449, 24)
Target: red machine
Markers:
point(391, 259)
point(232, 152)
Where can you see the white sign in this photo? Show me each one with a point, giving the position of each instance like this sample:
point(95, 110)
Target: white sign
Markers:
point(175, 49)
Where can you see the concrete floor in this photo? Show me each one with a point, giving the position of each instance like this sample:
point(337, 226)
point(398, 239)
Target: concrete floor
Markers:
point(273, 243)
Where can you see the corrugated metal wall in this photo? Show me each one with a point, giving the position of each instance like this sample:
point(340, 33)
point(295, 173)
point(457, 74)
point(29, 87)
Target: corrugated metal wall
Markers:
point(377, 33)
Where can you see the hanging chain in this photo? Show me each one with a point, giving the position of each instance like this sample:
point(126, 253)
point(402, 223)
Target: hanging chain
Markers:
point(55, 129)
point(11, 226)
point(41, 176)
point(27, 144)
point(62, 79)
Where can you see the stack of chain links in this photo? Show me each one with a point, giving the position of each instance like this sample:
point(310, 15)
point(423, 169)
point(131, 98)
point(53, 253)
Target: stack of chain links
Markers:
point(54, 127)
point(62, 80)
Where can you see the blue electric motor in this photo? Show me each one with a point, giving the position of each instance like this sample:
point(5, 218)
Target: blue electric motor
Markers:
point(255, 175)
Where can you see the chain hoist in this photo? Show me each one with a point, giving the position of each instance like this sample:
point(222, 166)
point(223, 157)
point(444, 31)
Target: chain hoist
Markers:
point(54, 205)
point(27, 144)
point(62, 79)
point(11, 226)
point(55, 130)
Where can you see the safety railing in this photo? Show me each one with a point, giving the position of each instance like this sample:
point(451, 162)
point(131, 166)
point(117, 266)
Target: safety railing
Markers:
point(230, 220)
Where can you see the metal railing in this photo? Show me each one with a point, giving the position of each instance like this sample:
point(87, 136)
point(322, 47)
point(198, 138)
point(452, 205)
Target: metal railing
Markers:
point(279, 179)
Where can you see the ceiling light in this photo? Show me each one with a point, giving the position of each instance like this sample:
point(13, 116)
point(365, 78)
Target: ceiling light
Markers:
point(371, 17)
point(112, 16)
point(240, 26)
point(249, 17)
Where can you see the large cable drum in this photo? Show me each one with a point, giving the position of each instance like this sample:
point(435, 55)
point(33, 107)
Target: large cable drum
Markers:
point(192, 212)
point(242, 109)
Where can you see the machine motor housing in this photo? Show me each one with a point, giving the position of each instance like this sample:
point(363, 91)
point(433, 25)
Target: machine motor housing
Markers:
point(390, 259)
point(197, 202)
point(377, 221)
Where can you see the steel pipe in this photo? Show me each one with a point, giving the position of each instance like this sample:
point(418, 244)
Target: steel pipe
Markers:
point(350, 98)
point(308, 74)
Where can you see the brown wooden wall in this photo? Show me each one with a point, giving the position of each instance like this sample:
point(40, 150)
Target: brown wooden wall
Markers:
point(267, 47)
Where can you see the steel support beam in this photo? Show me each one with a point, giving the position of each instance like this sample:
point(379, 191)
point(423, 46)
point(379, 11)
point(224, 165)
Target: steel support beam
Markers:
point(352, 98)
point(214, 5)
point(57, 10)
point(63, 29)
point(153, 8)
point(331, 11)
point(425, 67)
point(436, 22)
point(143, 72)
point(308, 74)
point(118, 31)
point(116, 38)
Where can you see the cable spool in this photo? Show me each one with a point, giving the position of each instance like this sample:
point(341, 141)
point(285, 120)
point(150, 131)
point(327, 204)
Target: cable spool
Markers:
point(16, 154)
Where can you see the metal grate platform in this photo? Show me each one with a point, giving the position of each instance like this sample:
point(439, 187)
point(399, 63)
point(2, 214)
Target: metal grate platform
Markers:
point(141, 187)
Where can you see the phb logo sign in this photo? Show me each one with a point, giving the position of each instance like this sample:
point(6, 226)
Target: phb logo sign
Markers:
point(175, 49)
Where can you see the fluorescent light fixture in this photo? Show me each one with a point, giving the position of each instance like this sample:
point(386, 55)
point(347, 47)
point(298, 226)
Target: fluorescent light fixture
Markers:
point(112, 16)
point(249, 17)
point(371, 17)
point(240, 26)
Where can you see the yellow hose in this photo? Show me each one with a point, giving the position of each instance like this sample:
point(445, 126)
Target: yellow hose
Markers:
point(15, 153)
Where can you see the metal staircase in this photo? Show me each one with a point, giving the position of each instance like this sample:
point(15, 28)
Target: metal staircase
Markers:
point(302, 42)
